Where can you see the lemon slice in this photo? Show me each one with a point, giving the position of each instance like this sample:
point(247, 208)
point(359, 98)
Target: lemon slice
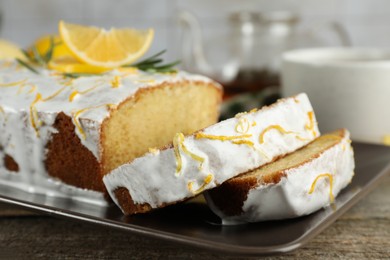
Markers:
point(43, 44)
point(68, 64)
point(10, 50)
point(105, 48)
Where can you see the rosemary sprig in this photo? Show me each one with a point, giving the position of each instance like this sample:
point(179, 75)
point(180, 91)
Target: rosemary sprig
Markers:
point(35, 58)
point(77, 75)
point(151, 59)
point(49, 54)
point(27, 66)
point(44, 59)
point(153, 64)
point(26, 54)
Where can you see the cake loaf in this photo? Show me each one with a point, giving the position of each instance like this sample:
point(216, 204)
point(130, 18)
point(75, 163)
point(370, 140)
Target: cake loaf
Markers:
point(295, 185)
point(60, 135)
point(211, 156)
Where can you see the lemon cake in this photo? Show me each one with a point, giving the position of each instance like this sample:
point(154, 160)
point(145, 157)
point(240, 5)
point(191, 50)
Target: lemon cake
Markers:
point(209, 157)
point(295, 185)
point(60, 135)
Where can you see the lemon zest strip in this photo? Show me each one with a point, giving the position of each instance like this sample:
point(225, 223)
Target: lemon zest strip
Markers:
point(246, 142)
point(310, 125)
point(54, 94)
point(233, 140)
point(32, 89)
point(178, 142)
point(78, 92)
point(206, 181)
point(13, 84)
point(116, 82)
point(192, 155)
point(242, 126)
point(34, 113)
point(221, 137)
point(271, 127)
point(302, 138)
point(73, 95)
point(77, 113)
point(330, 177)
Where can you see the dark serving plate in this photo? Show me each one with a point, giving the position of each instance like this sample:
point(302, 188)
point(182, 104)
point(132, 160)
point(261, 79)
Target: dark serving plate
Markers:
point(194, 224)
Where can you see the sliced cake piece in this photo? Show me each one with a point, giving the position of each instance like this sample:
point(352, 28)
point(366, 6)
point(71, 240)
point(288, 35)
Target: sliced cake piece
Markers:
point(209, 157)
point(60, 135)
point(295, 185)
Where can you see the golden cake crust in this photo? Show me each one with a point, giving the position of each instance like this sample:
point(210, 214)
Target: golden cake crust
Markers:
point(127, 203)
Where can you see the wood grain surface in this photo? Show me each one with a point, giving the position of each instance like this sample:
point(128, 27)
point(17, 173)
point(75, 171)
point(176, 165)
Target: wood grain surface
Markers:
point(362, 233)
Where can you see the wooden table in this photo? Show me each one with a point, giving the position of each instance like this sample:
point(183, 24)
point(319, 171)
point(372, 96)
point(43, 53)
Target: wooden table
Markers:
point(362, 233)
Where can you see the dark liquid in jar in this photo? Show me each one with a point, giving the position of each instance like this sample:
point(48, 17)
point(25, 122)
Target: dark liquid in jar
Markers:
point(250, 81)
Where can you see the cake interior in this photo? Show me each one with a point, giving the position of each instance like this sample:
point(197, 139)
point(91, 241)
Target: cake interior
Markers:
point(312, 150)
point(153, 116)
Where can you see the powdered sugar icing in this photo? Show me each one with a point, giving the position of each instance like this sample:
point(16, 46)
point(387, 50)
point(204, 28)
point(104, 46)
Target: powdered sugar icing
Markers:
point(216, 154)
point(29, 104)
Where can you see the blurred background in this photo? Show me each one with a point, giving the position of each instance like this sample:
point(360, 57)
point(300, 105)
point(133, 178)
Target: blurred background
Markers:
point(23, 21)
point(237, 43)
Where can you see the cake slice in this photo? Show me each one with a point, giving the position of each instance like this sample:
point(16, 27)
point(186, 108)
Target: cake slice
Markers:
point(213, 155)
point(295, 185)
point(59, 135)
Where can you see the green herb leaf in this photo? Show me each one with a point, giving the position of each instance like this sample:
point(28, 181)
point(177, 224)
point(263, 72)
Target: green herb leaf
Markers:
point(169, 65)
point(77, 75)
point(153, 64)
point(26, 65)
point(37, 57)
point(152, 58)
point(26, 54)
point(49, 53)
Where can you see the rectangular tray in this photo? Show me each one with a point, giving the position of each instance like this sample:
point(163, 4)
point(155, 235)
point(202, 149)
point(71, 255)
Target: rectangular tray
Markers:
point(194, 224)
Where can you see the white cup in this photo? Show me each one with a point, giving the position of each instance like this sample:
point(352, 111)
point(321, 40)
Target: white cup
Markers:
point(348, 87)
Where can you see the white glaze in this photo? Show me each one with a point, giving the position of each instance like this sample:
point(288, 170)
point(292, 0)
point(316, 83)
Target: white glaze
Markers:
point(152, 178)
point(290, 197)
point(18, 137)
